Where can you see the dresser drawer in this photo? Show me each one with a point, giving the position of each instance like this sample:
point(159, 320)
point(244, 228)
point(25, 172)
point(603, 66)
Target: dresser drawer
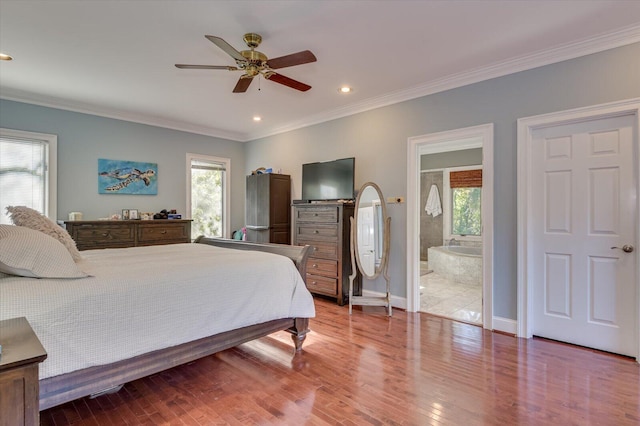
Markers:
point(322, 285)
point(97, 235)
point(321, 249)
point(324, 267)
point(317, 231)
point(327, 214)
point(162, 231)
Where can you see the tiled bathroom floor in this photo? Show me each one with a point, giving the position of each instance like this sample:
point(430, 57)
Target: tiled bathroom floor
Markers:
point(449, 299)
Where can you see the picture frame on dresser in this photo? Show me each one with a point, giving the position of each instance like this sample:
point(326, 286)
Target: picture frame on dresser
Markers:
point(133, 214)
point(125, 214)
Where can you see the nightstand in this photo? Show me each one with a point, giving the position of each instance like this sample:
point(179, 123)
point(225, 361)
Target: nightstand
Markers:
point(21, 355)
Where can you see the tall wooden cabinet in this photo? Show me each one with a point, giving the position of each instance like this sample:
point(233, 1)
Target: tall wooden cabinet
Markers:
point(268, 211)
point(326, 228)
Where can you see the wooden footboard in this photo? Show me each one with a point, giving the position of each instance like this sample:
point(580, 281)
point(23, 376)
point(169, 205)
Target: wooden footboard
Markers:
point(298, 254)
point(77, 384)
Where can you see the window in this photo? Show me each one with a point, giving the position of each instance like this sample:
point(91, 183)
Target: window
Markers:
point(465, 211)
point(208, 195)
point(463, 196)
point(27, 172)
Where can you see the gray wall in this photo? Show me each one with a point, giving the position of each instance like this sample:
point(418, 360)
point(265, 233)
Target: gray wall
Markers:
point(378, 140)
point(83, 138)
point(459, 158)
point(431, 228)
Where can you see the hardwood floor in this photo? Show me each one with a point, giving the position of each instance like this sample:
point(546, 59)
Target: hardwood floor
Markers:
point(411, 369)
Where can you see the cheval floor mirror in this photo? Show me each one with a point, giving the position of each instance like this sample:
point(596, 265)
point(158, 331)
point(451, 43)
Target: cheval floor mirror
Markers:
point(370, 229)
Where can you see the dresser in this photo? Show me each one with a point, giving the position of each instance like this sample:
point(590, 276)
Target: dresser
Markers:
point(326, 228)
point(268, 212)
point(22, 353)
point(100, 234)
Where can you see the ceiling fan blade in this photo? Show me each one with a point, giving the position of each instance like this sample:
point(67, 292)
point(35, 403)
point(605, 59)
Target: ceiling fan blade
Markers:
point(206, 67)
point(243, 84)
point(279, 78)
point(299, 58)
point(226, 47)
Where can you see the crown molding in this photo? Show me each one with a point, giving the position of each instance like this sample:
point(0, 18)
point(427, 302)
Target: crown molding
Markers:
point(611, 40)
point(52, 102)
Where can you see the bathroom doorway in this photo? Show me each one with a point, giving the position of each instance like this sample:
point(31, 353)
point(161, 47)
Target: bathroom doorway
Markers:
point(449, 257)
point(451, 234)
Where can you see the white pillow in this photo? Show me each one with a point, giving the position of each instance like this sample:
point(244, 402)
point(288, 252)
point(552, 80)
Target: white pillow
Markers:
point(30, 218)
point(29, 253)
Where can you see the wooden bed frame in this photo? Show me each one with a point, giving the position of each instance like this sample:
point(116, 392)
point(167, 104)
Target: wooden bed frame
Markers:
point(77, 384)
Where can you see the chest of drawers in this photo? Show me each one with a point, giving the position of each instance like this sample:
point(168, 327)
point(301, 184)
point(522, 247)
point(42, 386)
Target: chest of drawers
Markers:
point(326, 228)
point(97, 234)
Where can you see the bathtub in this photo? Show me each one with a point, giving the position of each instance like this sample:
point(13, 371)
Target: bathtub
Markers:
point(457, 263)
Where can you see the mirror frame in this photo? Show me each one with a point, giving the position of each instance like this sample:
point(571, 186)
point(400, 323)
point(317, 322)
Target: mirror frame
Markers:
point(380, 269)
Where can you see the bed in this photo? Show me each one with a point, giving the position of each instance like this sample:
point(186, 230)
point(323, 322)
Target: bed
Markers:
point(142, 310)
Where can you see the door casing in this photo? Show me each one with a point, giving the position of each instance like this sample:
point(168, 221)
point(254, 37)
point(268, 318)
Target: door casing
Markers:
point(452, 140)
point(526, 127)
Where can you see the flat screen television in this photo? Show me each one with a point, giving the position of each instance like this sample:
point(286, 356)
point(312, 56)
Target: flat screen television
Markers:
point(329, 180)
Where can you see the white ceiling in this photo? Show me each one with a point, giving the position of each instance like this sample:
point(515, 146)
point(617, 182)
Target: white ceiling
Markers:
point(116, 58)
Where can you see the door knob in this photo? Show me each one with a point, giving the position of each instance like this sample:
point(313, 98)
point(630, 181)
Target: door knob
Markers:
point(627, 248)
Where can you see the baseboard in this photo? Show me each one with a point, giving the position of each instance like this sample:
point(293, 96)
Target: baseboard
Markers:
point(505, 325)
point(396, 301)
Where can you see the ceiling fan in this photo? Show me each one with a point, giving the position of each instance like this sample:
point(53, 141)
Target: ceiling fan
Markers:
point(255, 63)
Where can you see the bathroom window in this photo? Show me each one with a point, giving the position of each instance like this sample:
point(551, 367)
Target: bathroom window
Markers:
point(466, 205)
point(463, 203)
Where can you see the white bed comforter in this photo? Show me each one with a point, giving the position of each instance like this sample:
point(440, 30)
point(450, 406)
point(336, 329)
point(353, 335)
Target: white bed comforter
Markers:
point(142, 299)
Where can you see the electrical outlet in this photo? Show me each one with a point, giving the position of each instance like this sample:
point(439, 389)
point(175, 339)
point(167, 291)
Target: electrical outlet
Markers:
point(395, 200)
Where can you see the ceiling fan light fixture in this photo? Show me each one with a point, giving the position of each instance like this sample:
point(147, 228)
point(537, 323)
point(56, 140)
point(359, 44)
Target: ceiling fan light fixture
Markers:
point(345, 89)
point(254, 63)
point(257, 118)
point(5, 57)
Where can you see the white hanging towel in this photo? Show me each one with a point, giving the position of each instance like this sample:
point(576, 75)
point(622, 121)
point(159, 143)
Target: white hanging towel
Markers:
point(433, 206)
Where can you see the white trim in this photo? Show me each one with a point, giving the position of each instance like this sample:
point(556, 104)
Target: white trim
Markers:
point(559, 53)
point(505, 325)
point(469, 137)
point(226, 192)
point(526, 127)
point(102, 111)
point(563, 52)
point(51, 192)
point(396, 301)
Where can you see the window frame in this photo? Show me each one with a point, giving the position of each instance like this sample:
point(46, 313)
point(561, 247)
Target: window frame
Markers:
point(50, 142)
point(447, 202)
point(226, 188)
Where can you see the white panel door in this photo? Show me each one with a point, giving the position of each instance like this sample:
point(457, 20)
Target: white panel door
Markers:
point(584, 198)
point(366, 240)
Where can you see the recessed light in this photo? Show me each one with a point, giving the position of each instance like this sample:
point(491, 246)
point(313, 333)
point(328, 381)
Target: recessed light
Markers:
point(257, 118)
point(5, 57)
point(345, 89)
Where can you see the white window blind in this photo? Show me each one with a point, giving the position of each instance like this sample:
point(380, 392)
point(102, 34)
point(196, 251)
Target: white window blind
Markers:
point(25, 172)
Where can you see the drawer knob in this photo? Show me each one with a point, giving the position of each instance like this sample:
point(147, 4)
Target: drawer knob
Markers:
point(164, 231)
point(316, 231)
point(315, 265)
point(315, 214)
point(107, 234)
point(314, 282)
